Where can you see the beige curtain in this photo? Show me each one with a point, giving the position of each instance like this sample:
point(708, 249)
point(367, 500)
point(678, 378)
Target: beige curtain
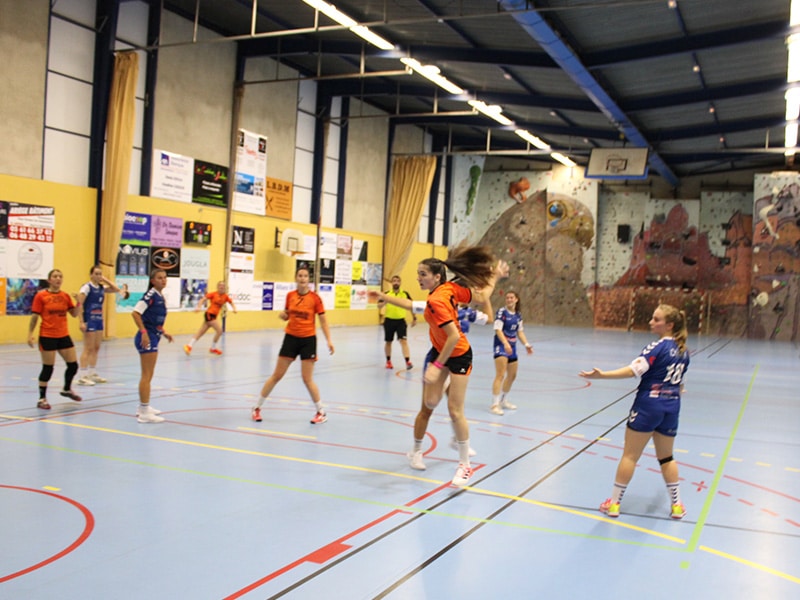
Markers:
point(412, 177)
point(119, 147)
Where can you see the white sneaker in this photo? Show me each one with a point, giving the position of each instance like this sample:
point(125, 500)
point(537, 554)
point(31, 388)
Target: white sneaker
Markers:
point(495, 409)
point(149, 417)
point(97, 379)
point(507, 405)
point(462, 476)
point(415, 460)
point(454, 446)
point(85, 381)
point(153, 410)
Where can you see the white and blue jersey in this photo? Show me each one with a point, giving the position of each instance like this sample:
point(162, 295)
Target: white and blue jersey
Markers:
point(510, 323)
point(661, 367)
point(94, 296)
point(153, 310)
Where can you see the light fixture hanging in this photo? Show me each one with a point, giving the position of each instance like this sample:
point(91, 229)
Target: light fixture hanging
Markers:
point(363, 32)
point(493, 110)
point(432, 73)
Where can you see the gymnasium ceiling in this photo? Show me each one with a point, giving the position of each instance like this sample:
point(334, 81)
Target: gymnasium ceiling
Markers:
point(700, 83)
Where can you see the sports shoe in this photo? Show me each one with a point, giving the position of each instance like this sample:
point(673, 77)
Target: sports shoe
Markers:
point(389, 364)
point(86, 380)
point(97, 379)
point(255, 414)
point(148, 416)
point(319, 418)
point(610, 508)
point(43, 404)
point(409, 366)
point(495, 409)
point(454, 446)
point(71, 395)
point(153, 410)
point(216, 351)
point(678, 511)
point(463, 473)
point(415, 460)
point(507, 405)
point(188, 349)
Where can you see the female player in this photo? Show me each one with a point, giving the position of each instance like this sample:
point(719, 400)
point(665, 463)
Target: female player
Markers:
point(507, 328)
point(149, 314)
point(654, 414)
point(451, 353)
point(215, 300)
point(300, 339)
point(52, 305)
point(91, 296)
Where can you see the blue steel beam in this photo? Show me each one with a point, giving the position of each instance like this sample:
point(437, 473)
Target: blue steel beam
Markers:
point(536, 27)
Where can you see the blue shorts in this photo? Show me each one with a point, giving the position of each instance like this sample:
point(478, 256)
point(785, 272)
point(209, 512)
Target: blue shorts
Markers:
point(154, 336)
point(500, 351)
point(647, 418)
point(94, 324)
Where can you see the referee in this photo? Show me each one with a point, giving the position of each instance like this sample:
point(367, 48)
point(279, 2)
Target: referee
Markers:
point(394, 323)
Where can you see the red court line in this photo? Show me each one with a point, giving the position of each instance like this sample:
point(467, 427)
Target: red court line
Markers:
point(87, 530)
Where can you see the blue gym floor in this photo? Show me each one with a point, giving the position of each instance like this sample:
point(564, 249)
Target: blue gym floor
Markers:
point(211, 505)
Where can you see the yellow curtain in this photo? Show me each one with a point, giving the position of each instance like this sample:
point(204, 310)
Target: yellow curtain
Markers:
point(412, 177)
point(119, 147)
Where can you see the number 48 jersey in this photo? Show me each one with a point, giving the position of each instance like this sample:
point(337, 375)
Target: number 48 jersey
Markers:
point(661, 366)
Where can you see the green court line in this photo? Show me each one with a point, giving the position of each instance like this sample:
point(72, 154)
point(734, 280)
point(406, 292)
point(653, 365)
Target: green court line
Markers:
point(694, 539)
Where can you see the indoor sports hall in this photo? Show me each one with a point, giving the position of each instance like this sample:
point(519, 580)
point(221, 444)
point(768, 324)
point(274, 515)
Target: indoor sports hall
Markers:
point(209, 504)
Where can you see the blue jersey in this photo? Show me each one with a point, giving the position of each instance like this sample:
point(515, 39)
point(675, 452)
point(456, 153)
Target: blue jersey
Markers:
point(153, 309)
point(661, 382)
point(95, 295)
point(509, 322)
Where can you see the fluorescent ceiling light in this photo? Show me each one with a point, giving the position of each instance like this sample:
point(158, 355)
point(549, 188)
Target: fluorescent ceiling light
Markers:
point(331, 11)
point(564, 160)
point(432, 73)
point(494, 111)
point(792, 76)
point(532, 139)
point(371, 37)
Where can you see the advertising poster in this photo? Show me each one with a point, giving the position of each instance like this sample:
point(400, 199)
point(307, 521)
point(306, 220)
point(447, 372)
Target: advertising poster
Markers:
point(327, 268)
point(281, 289)
point(374, 273)
point(250, 173)
point(166, 231)
point(243, 239)
point(327, 245)
point(359, 275)
point(360, 250)
point(326, 292)
point(3, 239)
point(358, 297)
point(192, 293)
point(29, 248)
point(210, 184)
point(195, 263)
point(2, 297)
point(133, 260)
point(342, 297)
point(241, 263)
point(168, 259)
point(343, 273)
point(172, 177)
point(136, 228)
point(279, 199)
point(344, 247)
point(19, 295)
point(172, 294)
point(132, 290)
point(267, 295)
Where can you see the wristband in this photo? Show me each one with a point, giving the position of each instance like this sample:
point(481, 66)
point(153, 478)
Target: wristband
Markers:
point(437, 364)
point(143, 330)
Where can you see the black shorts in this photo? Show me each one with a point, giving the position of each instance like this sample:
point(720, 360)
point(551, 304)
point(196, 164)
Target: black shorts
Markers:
point(304, 347)
point(210, 317)
point(457, 365)
point(48, 344)
point(395, 326)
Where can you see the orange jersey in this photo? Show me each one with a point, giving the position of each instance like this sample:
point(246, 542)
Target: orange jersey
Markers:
point(52, 308)
point(216, 302)
point(441, 309)
point(302, 312)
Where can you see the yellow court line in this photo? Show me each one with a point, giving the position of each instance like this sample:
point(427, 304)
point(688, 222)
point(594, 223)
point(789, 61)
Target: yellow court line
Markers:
point(752, 564)
point(281, 433)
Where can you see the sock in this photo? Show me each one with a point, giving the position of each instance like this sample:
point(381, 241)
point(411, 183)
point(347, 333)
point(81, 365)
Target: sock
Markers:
point(408, 360)
point(503, 397)
point(618, 492)
point(191, 342)
point(92, 369)
point(495, 399)
point(143, 408)
point(261, 400)
point(673, 489)
point(320, 408)
point(463, 452)
point(84, 372)
point(388, 359)
point(42, 392)
point(213, 345)
point(417, 446)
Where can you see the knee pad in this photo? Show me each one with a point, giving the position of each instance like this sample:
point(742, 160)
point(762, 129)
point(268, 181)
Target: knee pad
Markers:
point(47, 373)
point(663, 461)
point(72, 368)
